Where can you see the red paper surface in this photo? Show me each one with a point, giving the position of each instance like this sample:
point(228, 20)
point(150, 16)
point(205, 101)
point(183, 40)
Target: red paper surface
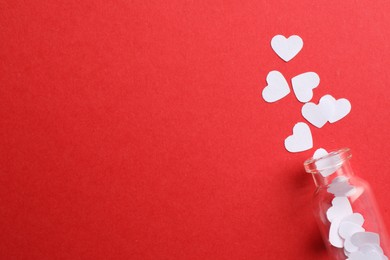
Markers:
point(136, 129)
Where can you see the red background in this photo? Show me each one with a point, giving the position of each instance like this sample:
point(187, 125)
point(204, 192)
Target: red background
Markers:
point(136, 129)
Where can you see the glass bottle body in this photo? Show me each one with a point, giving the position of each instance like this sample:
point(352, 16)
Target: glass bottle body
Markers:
point(345, 210)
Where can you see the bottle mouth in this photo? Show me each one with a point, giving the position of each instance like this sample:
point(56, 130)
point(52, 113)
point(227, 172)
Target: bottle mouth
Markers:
point(327, 163)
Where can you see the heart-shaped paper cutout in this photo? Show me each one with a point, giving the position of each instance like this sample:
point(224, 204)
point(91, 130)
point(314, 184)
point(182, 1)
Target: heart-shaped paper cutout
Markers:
point(313, 113)
point(356, 218)
point(301, 139)
point(363, 242)
point(277, 87)
point(372, 255)
point(304, 84)
point(328, 110)
point(342, 108)
point(287, 48)
point(346, 251)
point(334, 238)
point(327, 105)
point(341, 208)
point(371, 248)
point(362, 238)
point(347, 229)
point(349, 247)
point(320, 152)
point(341, 187)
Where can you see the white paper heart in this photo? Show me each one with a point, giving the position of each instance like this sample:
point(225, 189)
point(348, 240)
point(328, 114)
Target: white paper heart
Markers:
point(277, 87)
point(313, 113)
point(363, 242)
point(347, 229)
point(340, 187)
point(342, 108)
point(320, 152)
point(367, 252)
point(362, 238)
point(287, 48)
point(371, 248)
point(301, 139)
point(334, 238)
point(346, 253)
point(349, 247)
point(355, 218)
point(304, 84)
point(366, 256)
point(341, 208)
point(328, 110)
point(327, 105)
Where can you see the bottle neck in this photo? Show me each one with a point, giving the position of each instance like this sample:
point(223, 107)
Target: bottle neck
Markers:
point(329, 167)
point(344, 171)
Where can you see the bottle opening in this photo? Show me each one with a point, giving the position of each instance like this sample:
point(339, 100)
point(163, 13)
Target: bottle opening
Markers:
point(328, 163)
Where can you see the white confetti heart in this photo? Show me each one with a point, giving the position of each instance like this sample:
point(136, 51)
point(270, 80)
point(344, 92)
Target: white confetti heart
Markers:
point(347, 229)
point(304, 84)
point(364, 246)
point(301, 140)
point(335, 214)
point(340, 188)
point(346, 251)
point(362, 238)
point(342, 108)
point(327, 105)
point(328, 110)
point(366, 256)
point(334, 237)
point(320, 152)
point(356, 218)
point(349, 247)
point(287, 48)
point(313, 113)
point(277, 87)
point(371, 248)
point(341, 208)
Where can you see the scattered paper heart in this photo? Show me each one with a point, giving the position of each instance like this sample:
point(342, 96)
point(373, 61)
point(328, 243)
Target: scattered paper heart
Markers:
point(304, 84)
point(277, 87)
point(342, 108)
point(286, 48)
point(326, 105)
point(315, 114)
point(301, 139)
point(328, 110)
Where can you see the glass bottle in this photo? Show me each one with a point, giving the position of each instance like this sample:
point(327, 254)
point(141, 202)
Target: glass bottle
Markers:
point(345, 209)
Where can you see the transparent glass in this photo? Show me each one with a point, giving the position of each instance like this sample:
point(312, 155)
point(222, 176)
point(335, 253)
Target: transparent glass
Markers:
point(336, 182)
